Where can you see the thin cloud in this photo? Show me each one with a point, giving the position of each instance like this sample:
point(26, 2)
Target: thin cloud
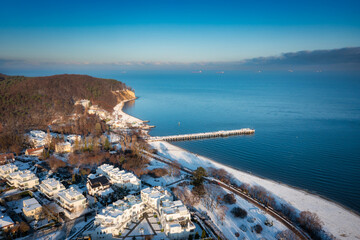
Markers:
point(333, 59)
point(322, 57)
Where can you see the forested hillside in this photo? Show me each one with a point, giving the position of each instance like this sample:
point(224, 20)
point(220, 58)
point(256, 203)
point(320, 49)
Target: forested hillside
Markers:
point(33, 102)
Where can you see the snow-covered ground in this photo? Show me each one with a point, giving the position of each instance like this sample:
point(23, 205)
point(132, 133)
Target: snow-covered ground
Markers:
point(337, 220)
point(164, 180)
point(231, 225)
point(121, 119)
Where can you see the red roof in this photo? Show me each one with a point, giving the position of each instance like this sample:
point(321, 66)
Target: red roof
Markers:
point(5, 156)
point(31, 150)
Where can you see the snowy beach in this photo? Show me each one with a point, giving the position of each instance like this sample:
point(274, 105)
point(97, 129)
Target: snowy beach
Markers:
point(340, 222)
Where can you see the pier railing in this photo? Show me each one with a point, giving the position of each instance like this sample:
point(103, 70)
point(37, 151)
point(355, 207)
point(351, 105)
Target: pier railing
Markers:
point(243, 131)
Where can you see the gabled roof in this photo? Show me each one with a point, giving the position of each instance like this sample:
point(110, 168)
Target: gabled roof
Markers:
point(32, 150)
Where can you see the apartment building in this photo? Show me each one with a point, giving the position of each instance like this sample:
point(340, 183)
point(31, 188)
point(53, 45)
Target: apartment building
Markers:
point(114, 218)
point(51, 187)
point(23, 180)
point(6, 169)
point(72, 200)
point(119, 177)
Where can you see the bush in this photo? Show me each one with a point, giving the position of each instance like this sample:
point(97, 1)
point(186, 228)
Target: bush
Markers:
point(158, 172)
point(311, 223)
point(287, 234)
point(239, 212)
point(237, 234)
point(258, 228)
point(229, 198)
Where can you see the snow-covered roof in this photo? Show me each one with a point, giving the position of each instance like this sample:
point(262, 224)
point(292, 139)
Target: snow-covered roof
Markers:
point(30, 204)
point(5, 221)
point(8, 167)
point(52, 183)
point(22, 175)
point(71, 195)
point(37, 133)
point(117, 175)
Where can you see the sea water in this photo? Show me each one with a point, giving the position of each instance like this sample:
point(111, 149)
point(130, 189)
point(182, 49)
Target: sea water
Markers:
point(307, 124)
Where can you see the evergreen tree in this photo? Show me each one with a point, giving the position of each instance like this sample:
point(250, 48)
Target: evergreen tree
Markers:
point(203, 234)
point(76, 144)
point(198, 176)
point(107, 145)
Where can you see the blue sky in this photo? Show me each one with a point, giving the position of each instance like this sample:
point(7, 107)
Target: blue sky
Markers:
point(126, 32)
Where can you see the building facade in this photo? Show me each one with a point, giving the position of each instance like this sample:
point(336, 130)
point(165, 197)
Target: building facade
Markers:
point(154, 196)
point(98, 185)
point(36, 152)
point(64, 147)
point(23, 180)
point(51, 187)
point(176, 219)
point(6, 169)
point(114, 218)
point(31, 209)
point(119, 177)
point(72, 200)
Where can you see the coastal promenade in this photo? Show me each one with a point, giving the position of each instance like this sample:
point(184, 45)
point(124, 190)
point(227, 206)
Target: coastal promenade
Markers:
point(194, 136)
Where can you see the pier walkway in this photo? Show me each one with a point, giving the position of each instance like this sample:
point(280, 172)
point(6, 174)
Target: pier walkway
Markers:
point(243, 131)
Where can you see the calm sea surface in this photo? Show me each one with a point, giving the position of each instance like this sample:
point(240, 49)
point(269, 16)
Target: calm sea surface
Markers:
point(307, 125)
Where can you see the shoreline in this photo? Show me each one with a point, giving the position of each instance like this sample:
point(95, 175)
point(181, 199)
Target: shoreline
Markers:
point(305, 191)
point(337, 218)
point(118, 109)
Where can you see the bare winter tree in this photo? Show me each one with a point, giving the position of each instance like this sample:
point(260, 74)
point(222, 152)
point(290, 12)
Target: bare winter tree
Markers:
point(287, 235)
point(213, 194)
point(174, 169)
point(222, 209)
point(310, 222)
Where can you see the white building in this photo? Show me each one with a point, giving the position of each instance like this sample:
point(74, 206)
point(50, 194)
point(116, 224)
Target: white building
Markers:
point(23, 179)
point(103, 114)
point(51, 187)
point(39, 138)
point(72, 138)
point(6, 169)
point(114, 218)
point(83, 102)
point(176, 219)
point(120, 177)
point(154, 196)
point(32, 209)
point(64, 147)
point(72, 200)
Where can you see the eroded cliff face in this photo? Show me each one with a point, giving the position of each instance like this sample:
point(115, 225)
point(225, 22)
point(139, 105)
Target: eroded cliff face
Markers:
point(125, 94)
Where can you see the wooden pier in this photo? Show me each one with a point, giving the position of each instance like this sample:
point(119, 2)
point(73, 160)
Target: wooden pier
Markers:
point(194, 136)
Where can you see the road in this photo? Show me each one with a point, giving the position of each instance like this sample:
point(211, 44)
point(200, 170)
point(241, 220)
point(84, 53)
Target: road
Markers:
point(299, 232)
